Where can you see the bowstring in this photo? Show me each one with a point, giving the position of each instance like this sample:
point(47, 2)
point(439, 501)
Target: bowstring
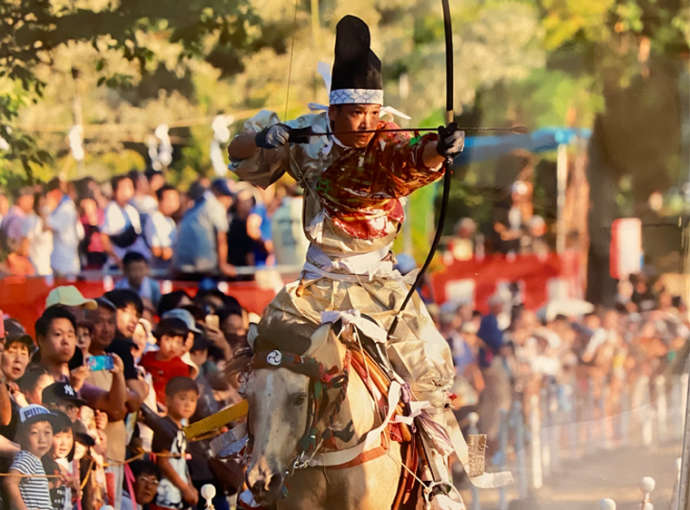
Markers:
point(292, 52)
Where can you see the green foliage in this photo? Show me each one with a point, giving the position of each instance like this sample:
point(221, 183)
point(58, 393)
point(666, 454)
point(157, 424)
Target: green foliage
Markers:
point(113, 44)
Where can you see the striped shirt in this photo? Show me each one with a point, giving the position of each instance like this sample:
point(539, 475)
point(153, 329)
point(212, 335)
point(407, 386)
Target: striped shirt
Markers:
point(34, 491)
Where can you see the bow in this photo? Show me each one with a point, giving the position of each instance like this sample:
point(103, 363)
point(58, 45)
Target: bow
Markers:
point(448, 32)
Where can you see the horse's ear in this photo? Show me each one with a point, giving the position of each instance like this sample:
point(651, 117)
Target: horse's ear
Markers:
point(252, 334)
point(318, 339)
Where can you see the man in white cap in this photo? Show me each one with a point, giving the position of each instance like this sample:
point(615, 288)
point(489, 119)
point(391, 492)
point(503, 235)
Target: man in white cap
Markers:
point(355, 180)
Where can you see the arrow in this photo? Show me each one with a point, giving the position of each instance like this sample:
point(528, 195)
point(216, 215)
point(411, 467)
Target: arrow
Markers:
point(302, 135)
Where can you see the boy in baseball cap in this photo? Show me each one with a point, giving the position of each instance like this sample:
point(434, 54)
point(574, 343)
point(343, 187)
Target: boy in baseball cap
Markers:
point(26, 485)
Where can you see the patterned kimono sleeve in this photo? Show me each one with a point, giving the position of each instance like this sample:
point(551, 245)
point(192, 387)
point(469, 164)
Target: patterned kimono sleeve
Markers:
point(400, 168)
point(267, 165)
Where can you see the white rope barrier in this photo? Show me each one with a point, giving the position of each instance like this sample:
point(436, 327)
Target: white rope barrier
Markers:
point(563, 427)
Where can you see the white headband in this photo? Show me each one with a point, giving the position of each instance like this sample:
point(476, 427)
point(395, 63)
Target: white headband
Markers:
point(356, 96)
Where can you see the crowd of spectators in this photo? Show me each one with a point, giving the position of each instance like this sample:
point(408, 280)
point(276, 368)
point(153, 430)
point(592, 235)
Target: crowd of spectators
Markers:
point(92, 405)
point(63, 228)
point(607, 357)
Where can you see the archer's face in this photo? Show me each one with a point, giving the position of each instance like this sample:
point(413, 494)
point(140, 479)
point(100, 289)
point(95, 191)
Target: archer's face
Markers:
point(354, 117)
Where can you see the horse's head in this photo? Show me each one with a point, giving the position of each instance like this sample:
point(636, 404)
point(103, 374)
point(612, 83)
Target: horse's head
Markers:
point(279, 400)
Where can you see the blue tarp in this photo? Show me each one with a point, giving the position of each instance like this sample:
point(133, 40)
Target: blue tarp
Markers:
point(482, 148)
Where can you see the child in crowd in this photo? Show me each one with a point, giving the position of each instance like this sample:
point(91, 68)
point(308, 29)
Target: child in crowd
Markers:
point(18, 262)
point(60, 396)
point(165, 363)
point(84, 335)
point(27, 486)
point(58, 463)
point(175, 489)
point(32, 383)
point(136, 269)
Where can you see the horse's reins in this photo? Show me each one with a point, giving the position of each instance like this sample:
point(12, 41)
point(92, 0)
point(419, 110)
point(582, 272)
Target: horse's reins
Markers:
point(320, 380)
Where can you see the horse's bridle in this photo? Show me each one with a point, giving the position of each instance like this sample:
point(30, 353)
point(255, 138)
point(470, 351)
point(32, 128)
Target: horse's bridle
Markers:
point(320, 380)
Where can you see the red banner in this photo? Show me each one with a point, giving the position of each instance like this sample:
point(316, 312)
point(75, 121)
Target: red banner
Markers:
point(479, 279)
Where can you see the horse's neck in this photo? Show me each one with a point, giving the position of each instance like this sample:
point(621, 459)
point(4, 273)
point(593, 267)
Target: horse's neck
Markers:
point(358, 407)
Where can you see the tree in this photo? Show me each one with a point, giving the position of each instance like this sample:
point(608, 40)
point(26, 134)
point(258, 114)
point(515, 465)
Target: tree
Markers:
point(636, 51)
point(36, 34)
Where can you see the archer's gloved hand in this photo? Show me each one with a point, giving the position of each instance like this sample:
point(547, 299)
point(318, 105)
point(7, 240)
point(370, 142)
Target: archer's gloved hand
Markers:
point(451, 140)
point(273, 136)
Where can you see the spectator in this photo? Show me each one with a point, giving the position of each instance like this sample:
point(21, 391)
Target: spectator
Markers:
point(175, 489)
point(156, 180)
point(127, 307)
point(201, 246)
point(289, 241)
point(136, 270)
point(63, 221)
point(31, 385)
point(212, 300)
point(121, 230)
point(69, 296)
point(91, 247)
point(185, 315)
point(146, 479)
point(60, 488)
point(160, 229)
point(172, 300)
point(512, 221)
point(144, 201)
point(60, 396)
point(535, 242)
point(234, 324)
point(18, 262)
point(27, 487)
point(84, 335)
point(105, 341)
point(12, 226)
point(56, 337)
point(166, 363)
point(40, 237)
point(245, 246)
point(13, 362)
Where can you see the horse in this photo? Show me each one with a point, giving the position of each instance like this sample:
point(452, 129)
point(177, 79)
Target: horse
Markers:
point(281, 389)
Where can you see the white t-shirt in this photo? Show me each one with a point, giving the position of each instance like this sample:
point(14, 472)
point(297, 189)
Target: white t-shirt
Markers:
point(41, 244)
point(160, 230)
point(117, 219)
point(67, 232)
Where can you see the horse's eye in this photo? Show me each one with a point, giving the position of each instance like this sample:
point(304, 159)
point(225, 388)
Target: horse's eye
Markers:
point(299, 399)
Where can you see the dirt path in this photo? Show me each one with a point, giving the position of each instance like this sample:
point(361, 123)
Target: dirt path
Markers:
point(610, 474)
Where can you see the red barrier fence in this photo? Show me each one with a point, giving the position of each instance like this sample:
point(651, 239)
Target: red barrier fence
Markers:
point(24, 298)
point(478, 279)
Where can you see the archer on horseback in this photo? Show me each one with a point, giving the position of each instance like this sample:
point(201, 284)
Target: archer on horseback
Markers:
point(356, 178)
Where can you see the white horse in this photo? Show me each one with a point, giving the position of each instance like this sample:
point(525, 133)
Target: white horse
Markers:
point(279, 415)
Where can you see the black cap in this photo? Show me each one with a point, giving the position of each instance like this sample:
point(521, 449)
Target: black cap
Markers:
point(356, 75)
point(60, 392)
